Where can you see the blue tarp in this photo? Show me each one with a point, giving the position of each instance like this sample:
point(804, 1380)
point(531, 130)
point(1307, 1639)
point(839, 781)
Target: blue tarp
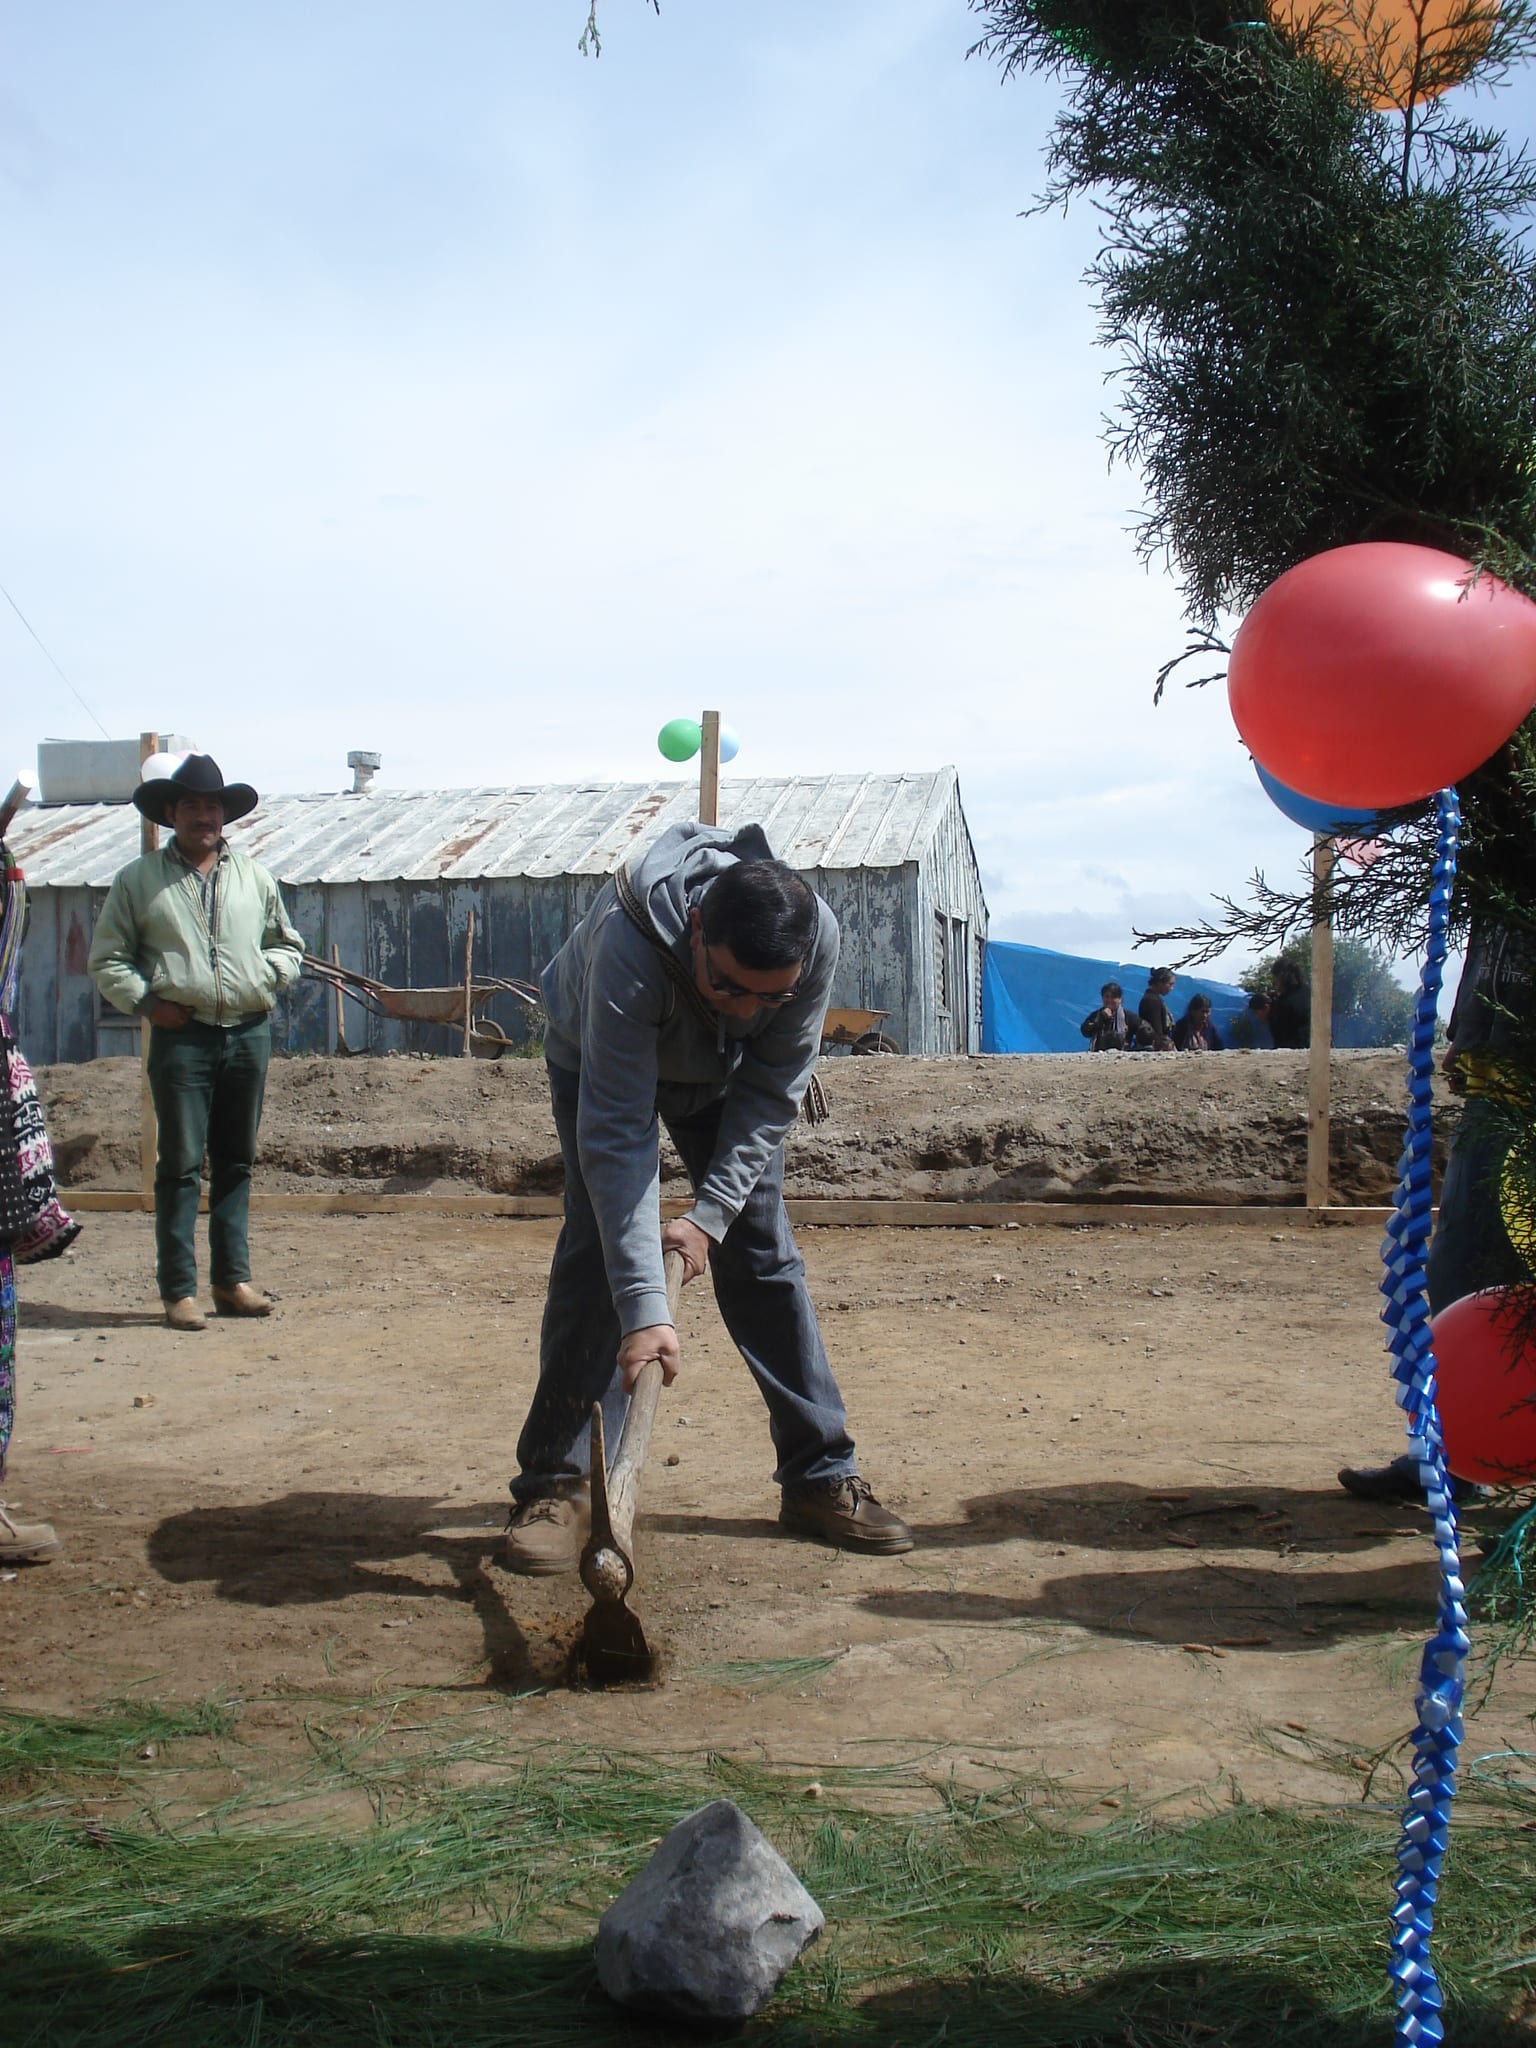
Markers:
point(1034, 1000)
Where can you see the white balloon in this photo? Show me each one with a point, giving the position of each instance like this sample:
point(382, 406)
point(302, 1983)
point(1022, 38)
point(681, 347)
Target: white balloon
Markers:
point(158, 766)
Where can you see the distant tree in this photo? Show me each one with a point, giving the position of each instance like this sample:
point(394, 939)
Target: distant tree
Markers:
point(1369, 1008)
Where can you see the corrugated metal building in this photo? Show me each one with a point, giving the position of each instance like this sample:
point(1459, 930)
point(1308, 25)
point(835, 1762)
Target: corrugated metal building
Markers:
point(389, 878)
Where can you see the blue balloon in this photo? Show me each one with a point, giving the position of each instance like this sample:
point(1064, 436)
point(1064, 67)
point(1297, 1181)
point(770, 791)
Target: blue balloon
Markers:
point(730, 745)
point(1314, 815)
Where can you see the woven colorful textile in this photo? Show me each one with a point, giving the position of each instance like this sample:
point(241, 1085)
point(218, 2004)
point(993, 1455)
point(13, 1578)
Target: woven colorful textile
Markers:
point(50, 1228)
point(7, 1351)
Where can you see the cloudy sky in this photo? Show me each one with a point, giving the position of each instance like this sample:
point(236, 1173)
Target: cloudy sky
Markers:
point(386, 374)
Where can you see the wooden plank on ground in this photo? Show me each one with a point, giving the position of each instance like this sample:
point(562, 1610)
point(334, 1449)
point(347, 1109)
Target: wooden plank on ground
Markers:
point(847, 1215)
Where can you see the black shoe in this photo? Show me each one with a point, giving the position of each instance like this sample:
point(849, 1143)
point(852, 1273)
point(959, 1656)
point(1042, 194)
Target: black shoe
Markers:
point(1398, 1484)
point(846, 1514)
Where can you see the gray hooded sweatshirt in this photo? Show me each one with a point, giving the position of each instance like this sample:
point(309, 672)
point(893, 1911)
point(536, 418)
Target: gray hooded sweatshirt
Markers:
point(617, 1017)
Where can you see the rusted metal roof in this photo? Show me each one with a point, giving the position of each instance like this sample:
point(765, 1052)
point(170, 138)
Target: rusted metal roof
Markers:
point(813, 821)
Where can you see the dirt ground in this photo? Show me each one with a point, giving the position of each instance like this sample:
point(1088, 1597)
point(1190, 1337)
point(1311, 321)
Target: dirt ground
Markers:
point(1224, 1127)
point(1117, 1442)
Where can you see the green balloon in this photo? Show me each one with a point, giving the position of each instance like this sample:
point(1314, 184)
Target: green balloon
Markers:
point(680, 739)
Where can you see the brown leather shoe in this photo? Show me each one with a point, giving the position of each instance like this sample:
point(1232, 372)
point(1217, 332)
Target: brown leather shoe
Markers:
point(846, 1514)
point(241, 1300)
point(26, 1542)
point(546, 1535)
point(185, 1314)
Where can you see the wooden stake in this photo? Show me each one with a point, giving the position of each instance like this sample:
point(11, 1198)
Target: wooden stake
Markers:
point(469, 981)
point(709, 770)
point(1320, 1056)
point(342, 1046)
point(149, 1129)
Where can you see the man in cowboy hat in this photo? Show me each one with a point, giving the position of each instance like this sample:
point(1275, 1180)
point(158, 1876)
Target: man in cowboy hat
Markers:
point(195, 938)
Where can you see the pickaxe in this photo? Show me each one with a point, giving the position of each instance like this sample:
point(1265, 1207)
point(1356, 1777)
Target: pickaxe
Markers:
point(613, 1646)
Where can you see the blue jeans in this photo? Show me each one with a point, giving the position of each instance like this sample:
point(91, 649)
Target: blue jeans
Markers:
point(759, 1282)
point(208, 1082)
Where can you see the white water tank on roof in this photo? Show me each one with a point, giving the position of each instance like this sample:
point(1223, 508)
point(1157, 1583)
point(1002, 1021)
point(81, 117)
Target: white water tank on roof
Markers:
point(96, 771)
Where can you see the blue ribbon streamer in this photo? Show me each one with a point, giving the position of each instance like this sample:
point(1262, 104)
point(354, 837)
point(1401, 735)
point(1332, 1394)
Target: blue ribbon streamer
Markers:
point(1443, 1670)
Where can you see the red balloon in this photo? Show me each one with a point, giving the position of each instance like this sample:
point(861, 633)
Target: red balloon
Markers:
point(1376, 674)
point(1486, 1386)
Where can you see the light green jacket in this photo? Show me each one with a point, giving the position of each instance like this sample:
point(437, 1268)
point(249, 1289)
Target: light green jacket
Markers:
point(154, 942)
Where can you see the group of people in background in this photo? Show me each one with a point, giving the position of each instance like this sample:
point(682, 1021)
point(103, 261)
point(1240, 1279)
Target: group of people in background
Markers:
point(1277, 1016)
point(1152, 1027)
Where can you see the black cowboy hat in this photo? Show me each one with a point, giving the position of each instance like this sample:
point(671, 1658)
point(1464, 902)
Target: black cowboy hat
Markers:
point(198, 775)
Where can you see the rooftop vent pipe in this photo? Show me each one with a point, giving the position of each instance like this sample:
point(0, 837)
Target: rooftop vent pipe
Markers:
point(364, 767)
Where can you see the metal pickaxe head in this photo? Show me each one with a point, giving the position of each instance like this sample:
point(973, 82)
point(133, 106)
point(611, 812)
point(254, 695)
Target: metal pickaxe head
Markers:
point(613, 1643)
point(613, 1646)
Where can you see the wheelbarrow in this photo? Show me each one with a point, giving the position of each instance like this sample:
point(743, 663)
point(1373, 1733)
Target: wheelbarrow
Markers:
point(858, 1030)
point(448, 1006)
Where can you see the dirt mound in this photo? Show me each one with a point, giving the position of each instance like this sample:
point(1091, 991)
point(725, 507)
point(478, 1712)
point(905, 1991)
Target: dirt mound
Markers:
point(1224, 1127)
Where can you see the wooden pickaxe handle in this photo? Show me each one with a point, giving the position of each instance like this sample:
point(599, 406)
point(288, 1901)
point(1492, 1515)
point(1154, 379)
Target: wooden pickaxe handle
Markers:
point(635, 1437)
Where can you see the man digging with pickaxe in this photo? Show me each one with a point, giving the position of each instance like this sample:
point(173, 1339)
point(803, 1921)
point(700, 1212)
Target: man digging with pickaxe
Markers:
point(692, 994)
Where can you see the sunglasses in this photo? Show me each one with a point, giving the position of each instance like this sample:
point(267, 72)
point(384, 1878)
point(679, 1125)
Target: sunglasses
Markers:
point(724, 986)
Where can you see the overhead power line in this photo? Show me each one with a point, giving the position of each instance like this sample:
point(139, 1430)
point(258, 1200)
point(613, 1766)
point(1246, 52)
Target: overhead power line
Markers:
point(64, 679)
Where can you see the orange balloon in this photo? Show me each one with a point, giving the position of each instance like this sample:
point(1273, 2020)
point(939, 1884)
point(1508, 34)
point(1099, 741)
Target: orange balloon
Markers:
point(1393, 51)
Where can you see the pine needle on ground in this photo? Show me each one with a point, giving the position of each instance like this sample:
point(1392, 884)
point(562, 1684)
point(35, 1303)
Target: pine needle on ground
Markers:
point(453, 1915)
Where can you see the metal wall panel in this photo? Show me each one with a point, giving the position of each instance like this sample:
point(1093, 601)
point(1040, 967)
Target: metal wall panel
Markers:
point(37, 994)
point(77, 1004)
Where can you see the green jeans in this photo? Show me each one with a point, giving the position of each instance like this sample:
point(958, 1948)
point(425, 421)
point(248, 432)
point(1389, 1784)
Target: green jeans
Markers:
point(208, 1081)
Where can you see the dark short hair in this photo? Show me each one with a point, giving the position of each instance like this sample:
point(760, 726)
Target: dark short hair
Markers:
point(1111, 988)
point(764, 912)
point(1161, 974)
point(1198, 1002)
point(1260, 999)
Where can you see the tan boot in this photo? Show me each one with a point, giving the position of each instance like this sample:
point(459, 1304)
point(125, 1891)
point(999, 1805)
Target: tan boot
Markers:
point(241, 1300)
point(185, 1314)
point(546, 1535)
point(26, 1542)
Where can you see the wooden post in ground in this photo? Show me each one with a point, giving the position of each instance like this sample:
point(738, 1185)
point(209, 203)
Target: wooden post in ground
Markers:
point(149, 1130)
point(709, 770)
point(340, 1000)
point(469, 982)
point(1320, 1057)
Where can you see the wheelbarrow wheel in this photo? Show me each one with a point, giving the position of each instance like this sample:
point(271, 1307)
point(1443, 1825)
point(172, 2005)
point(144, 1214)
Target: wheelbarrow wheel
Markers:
point(873, 1042)
point(487, 1041)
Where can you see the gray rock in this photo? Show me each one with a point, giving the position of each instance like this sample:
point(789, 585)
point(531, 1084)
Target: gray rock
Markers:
point(711, 1924)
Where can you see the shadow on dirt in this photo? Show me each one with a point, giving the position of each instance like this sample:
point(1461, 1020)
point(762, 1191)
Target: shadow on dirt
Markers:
point(1115, 1516)
point(1228, 1606)
point(47, 1315)
point(308, 1548)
